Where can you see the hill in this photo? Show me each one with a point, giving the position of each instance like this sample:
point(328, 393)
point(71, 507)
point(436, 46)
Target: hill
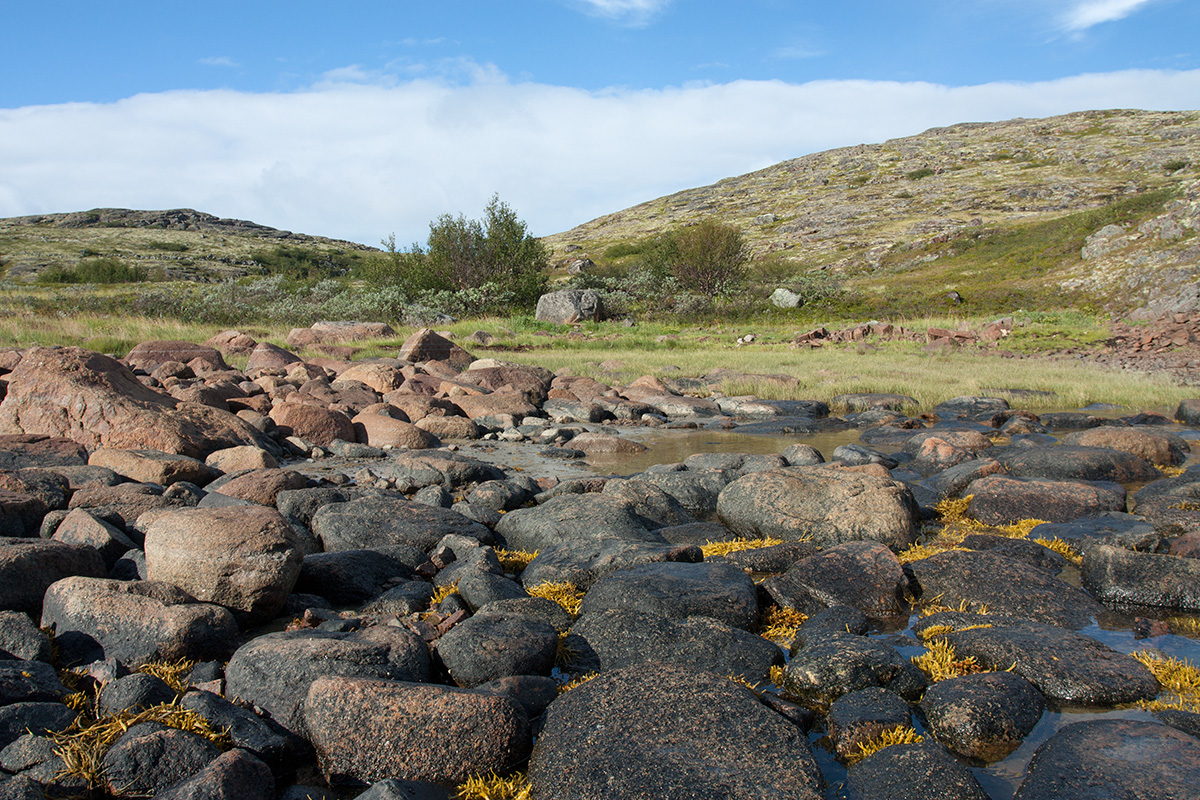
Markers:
point(1096, 209)
point(178, 244)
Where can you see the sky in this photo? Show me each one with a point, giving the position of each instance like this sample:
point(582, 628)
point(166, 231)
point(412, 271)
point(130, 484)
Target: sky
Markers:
point(361, 119)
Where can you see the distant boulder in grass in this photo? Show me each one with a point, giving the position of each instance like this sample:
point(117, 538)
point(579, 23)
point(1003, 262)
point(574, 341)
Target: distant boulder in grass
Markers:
point(570, 306)
point(425, 345)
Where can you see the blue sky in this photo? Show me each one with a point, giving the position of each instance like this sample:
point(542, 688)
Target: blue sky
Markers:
point(360, 119)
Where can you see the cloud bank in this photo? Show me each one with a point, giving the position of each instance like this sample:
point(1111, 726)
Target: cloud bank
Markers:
point(358, 161)
point(1086, 13)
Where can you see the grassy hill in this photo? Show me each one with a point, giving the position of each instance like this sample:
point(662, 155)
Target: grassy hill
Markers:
point(978, 217)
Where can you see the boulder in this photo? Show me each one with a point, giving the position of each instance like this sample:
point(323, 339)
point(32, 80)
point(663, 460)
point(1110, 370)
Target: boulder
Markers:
point(242, 558)
point(96, 401)
point(678, 590)
point(1164, 450)
point(569, 306)
point(381, 430)
point(864, 575)
point(238, 459)
point(380, 377)
point(912, 772)
point(1117, 575)
point(830, 506)
point(1073, 462)
point(261, 486)
point(233, 775)
point(21, 639)
point(231, 342)
point(1004, 585)
point(81, 528)
point(266, 356)
point(665, 731)
point(434, 733)
point(274, 671)
point(29, 567)
point(280, 749)
point(389, 520)
point(425, 345)
point(152, 466)
point(825, 667)
point(21, 450)
point(148, 356)
point(984, 716)
point(864, 714)
point(136, 621)
point(488, 646)
point(1117, 758)
point(1002, 500)
point(313, 424)
point(149, 757)
point(574, 517)
point(352, 577)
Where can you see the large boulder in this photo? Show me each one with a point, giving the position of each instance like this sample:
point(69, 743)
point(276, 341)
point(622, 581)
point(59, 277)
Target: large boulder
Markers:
point(828, 506)
point(244, 557)
point(313, 424)
point(388, 520)
point(153, 466)
point(425, 345)
point(1003, 500)
point(670, 732)
point(97, 401)
point(678, 590)
point(29, 566)
point(569, 306)
point(149, 356)
point(136, 621)
point(274, 671)
point(433, 733)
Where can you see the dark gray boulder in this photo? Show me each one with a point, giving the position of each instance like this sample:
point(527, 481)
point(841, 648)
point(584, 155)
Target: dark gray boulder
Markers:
point(864, 714)
point(440, 467)
point(351, 577)
point(488, 646)
point(396, 789)
point(1066, 667)
point(1114, 758)
point(1004, 586)
point(381, 521)
point(234, 775)
point(1117, 575)
point(671, 733)
point(134, 692)
point(279, 748)
point(1002, 500)
point(29, 682)
point(20, 638)
point(1073, 462)
point(654, 507)
point(984, 716)
point(150, 757)
point(38, 718)
point(1115, 528)
point(478, 588)
point(865, 575)
point(539, 608)
point(618, 638)
point(583, 562)
point(678, 590)
point(825, 668)
point(273, 671)
point(697, 490)
point(1029, 552)
point(912, 772)
point(29, 566)
point(34, 758)
point(407, 598)
point(573, 517)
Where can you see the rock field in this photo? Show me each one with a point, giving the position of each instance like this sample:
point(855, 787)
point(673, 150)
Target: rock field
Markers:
point(321, 580)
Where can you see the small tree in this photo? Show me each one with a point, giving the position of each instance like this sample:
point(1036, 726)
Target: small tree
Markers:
point(709, 258)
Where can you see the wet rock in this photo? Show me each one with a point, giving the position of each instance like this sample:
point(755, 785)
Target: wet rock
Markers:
point(617, 639)
point(678, 590)
point(669, 732)
point(1065, 667)
point(865, 575)
point(835, 619)
point(136, 621)
point(1001, 500)
point(383, 521)
point(488, 646)
point(830, 506)
point(1114, 758)
point(1117, 575)
point(150, 757)
point(984, 716)
point(1030, 552)
point(1114, 527)
point(235, 775)
point(274, 671)
point(435, 733)
point(856, 455)
point(1004, 586)
point(245, 558)
point(912, 772)
point(864, 714)
point(825, 668)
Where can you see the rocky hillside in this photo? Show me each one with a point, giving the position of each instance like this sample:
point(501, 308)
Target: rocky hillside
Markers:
point(915, 210)
point(179, 243)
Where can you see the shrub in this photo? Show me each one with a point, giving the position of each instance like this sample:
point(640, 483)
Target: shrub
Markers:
point(918, 174)
point(94, 270)
point(1175, 165)
point(302, 263)
point(709, 258)
point(169, 247)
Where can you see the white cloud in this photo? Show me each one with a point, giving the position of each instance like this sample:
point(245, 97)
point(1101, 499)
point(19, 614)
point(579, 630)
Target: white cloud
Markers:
point(219, 61)
point(359, 160)
point(633, 11)
point(1083, 14)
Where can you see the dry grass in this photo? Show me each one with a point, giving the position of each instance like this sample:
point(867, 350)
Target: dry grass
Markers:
point(941, 662)
point(173, 674)
point(713, 549)
point(780, 624)
point(576, 682)
point(514, 561)
point(1180, 680)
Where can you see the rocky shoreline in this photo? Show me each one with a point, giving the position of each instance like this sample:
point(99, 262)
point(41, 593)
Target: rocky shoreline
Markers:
point(298, 580)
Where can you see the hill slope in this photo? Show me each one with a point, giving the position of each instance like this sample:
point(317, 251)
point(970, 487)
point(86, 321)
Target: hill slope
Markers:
point(181, 244)
point(969, 208)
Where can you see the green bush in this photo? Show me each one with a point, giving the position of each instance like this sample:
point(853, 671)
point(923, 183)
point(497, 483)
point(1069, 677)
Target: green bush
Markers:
point(94, 270)
point(302, 263)
point(170, 247)
point(709, 257)
point(1175, 165)
point(918, 174)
